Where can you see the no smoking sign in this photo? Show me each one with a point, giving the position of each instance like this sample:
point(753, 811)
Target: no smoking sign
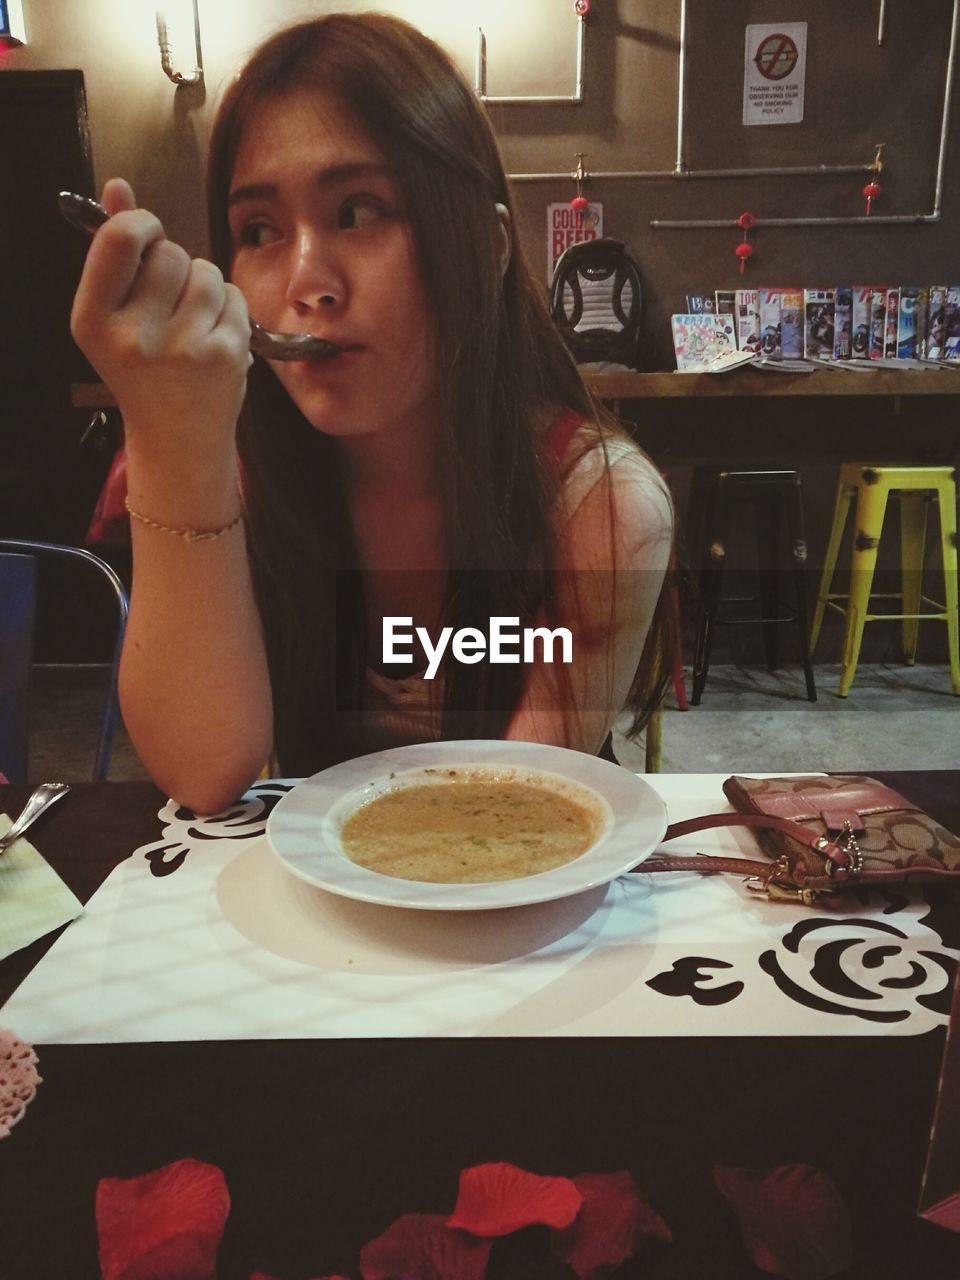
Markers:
point(774, 67)
point(776, 56)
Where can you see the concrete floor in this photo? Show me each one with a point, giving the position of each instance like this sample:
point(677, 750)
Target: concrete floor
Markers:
point(749, 720)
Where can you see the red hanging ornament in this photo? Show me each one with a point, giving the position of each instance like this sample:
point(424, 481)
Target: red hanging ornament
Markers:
point(744, 250)
point(873, 187)
point(579, 201)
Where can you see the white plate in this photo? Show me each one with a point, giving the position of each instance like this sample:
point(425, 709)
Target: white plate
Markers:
point(304, 828)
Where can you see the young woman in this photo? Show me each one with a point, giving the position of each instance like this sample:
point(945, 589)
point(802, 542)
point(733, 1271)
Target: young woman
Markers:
point(446, 466)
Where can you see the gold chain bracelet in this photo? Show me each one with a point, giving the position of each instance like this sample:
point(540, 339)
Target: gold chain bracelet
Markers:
point(189, 535)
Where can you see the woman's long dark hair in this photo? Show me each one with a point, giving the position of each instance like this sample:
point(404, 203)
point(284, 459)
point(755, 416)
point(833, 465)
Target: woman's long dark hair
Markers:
point(505, 362)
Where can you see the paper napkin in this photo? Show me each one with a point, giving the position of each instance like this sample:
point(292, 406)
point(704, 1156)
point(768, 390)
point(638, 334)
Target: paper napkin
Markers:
point(33, 898)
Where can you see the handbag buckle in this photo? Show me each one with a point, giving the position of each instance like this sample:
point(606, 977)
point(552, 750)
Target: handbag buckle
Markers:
point(777, 885)
point(776, 892)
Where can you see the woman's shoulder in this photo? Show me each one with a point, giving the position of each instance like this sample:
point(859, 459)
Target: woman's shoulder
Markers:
point(603, 466)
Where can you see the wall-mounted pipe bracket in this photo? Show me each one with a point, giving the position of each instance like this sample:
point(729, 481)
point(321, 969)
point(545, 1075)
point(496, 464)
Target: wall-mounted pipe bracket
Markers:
point(876, 220)
point(195, 77)
point(480, 71)
point(682, 172)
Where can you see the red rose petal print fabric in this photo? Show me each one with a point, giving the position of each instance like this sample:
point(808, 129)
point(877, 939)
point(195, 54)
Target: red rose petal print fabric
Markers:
point(421, 1246)
point(792, 1220)
point(615, 1223)
point(163, 1225)
point(495, 1199)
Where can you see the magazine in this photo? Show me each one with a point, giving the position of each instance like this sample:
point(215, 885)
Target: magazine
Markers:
point(705, 343)
point(818, 323)
point(791, 324)
point(842, 322)
point(878, 322)
point(860, 321)
point(892, 321)
point(770, 303)
point(748, 320)
point(935, 321)
point(908, 329)
point(951, 326)
point(725, 302)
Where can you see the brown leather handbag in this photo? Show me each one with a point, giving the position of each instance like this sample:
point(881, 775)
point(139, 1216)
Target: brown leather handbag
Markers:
point(823, 834)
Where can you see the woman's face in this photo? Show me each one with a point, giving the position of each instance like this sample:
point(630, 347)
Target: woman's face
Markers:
point(321, 244)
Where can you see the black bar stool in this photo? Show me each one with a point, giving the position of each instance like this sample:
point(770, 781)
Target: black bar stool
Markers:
point(773, 494)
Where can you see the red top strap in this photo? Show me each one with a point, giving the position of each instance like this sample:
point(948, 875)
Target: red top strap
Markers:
point(561, 431)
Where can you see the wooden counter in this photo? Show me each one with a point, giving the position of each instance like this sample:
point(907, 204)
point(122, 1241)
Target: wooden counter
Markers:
point(756, 417)
point(738, 382)
point(749, 381)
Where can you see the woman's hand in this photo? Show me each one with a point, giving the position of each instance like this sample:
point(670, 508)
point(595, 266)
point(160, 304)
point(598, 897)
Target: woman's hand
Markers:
point(165, 332)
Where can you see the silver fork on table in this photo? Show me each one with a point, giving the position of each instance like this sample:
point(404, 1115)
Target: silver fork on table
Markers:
point(41, 800)
point(88, 215)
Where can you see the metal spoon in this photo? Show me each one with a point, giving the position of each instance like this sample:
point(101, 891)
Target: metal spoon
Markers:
point(41, 800)
point(86, 214)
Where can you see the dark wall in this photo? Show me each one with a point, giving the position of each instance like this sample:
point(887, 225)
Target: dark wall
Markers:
point(50, 471)
point(857, 94)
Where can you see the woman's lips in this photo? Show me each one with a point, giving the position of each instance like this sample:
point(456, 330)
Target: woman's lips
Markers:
point(342, 355)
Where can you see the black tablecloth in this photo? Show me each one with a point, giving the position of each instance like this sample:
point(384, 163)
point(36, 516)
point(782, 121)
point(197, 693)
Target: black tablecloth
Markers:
point(324, 1143)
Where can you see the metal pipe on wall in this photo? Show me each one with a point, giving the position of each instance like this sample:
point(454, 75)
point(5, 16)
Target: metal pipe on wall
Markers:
point(813, 170)
point(681, 224)
point(480, 74)
point(680, 169)
point(947, 102)
point(195, 77)
point(681, 86)
point(889, 219)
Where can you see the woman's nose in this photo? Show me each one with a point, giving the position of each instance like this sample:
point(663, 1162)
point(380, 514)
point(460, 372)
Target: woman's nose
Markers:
point(315, 279)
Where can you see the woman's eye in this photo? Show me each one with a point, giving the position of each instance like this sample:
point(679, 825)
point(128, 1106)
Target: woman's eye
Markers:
point(360, 211)
point(255, 234)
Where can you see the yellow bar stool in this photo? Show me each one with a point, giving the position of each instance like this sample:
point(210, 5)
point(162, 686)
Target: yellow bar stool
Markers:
point(872, 486)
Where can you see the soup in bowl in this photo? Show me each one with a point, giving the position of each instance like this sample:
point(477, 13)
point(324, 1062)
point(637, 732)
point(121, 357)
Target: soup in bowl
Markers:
point(488, 819)
point(474, 823)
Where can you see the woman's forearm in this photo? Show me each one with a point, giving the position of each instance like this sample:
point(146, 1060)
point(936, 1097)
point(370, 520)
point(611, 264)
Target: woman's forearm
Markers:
point(171, 339)
point(194, 686)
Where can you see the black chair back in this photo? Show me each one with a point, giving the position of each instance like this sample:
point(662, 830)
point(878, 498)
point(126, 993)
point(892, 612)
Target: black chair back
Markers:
point(16, 630)
point(597, 300)
point(18, 594)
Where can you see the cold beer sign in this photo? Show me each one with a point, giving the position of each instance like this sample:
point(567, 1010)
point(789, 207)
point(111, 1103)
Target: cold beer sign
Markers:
point(566, 226)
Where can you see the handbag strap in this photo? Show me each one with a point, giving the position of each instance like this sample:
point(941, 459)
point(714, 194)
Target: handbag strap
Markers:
point(838, 859)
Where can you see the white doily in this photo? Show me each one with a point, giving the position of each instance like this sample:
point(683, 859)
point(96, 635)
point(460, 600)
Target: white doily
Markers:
point(18, 1079)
